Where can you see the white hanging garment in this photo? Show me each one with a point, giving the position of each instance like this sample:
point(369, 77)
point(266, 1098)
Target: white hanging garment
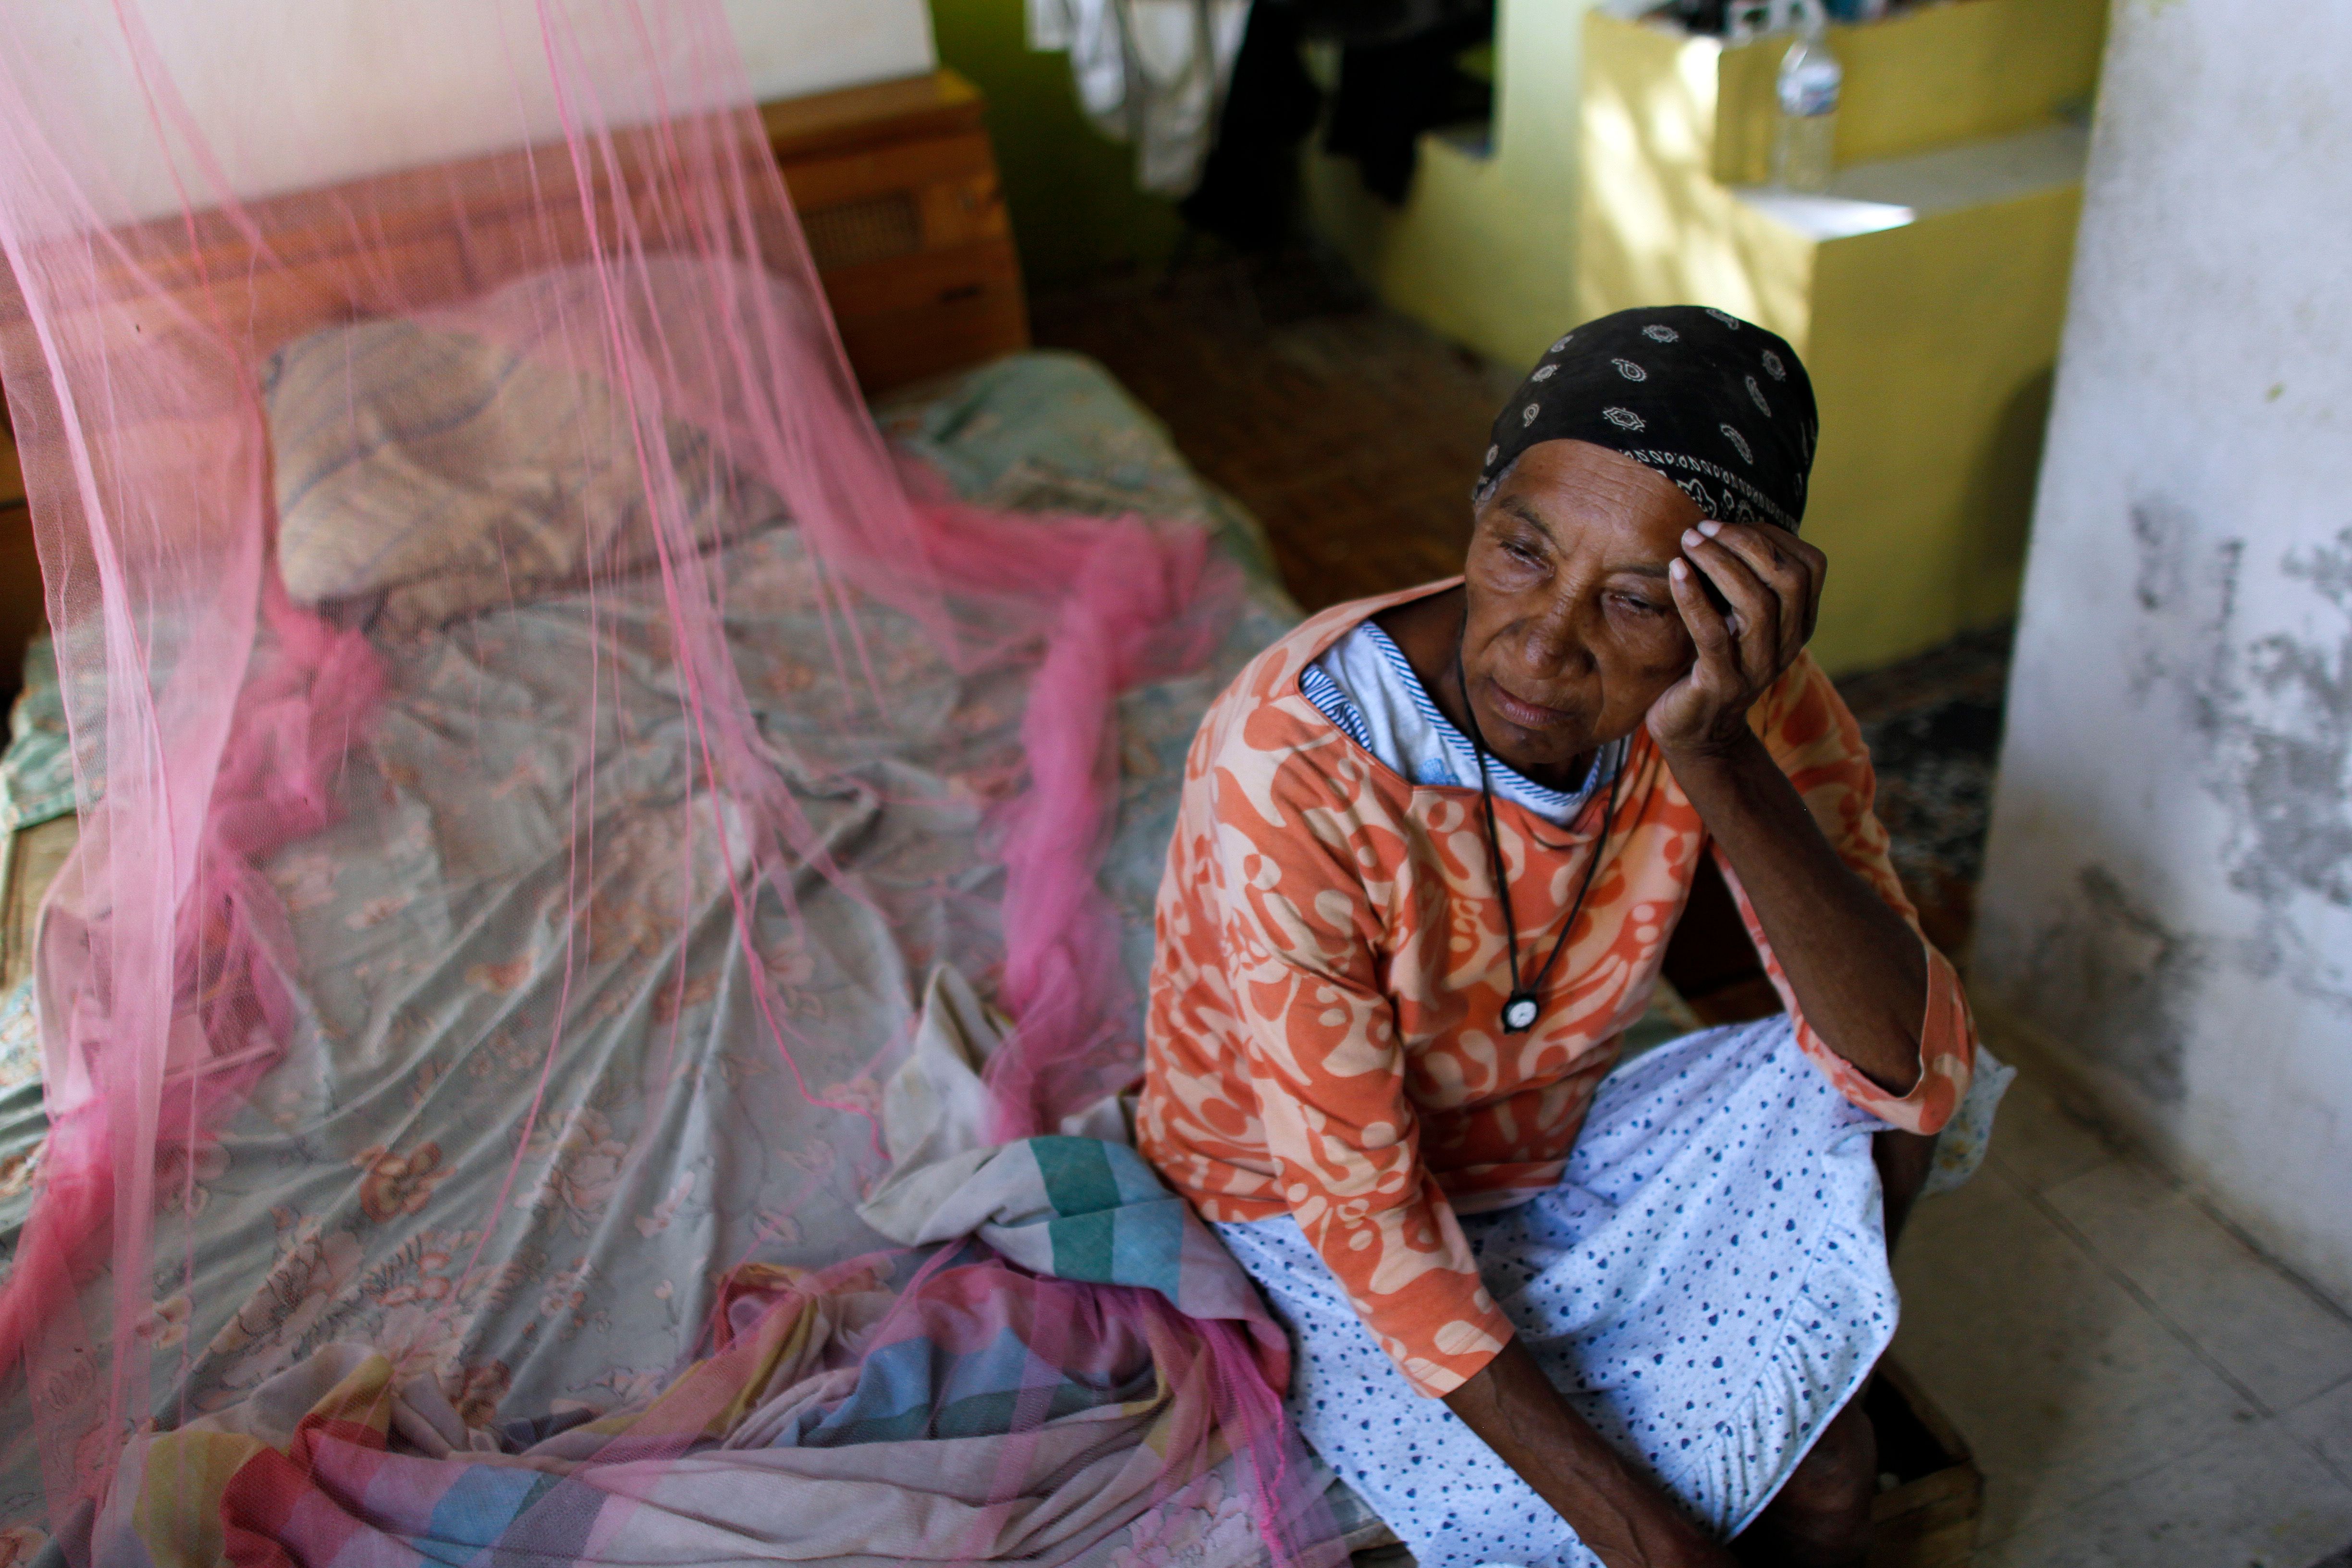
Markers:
point(1150, 72)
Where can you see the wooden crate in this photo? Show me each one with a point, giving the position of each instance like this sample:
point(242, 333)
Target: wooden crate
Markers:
point(896, 189)
point(1929, 1518)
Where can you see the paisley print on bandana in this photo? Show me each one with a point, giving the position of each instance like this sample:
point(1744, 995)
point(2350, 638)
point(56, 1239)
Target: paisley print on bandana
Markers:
point(1679, 383)
point(1325, 1032)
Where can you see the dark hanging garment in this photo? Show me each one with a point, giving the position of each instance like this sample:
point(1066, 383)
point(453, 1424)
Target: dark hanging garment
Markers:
point(1397, 77)
point(1249, 185)
point(1701, 16)
point(1397, 80)
point(1355, 22)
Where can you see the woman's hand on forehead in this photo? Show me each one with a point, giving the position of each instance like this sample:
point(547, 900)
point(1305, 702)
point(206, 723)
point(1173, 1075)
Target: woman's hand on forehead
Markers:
point(1770, 581)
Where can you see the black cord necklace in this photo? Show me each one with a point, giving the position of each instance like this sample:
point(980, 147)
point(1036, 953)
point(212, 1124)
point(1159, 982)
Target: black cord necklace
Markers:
point(1522, 1009)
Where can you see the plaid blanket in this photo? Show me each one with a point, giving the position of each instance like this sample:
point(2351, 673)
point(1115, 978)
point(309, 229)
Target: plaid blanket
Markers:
point(1023, 1397)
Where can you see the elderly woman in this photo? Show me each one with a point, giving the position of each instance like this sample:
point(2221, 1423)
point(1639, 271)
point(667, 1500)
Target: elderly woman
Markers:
point(1431, 850)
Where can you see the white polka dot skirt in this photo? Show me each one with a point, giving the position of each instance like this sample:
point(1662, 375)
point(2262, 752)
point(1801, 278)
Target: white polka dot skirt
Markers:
point(1708, 1284)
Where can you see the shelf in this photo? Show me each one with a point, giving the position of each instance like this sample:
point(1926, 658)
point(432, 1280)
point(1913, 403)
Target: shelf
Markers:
point(1889, 193)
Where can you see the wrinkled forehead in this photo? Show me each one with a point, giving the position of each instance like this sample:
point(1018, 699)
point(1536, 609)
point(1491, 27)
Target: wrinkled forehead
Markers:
point(1588, 498)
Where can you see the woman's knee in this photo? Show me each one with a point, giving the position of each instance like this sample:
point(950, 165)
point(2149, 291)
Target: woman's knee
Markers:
point(1821, 1518)
point(1840, 1474)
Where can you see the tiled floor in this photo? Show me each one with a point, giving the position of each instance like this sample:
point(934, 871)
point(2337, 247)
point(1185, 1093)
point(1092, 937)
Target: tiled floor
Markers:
point(1351, 434)
point(2142, 1389)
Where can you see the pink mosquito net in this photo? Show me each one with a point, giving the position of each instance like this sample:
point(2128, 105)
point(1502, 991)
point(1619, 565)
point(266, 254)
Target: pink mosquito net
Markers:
point(545, 769)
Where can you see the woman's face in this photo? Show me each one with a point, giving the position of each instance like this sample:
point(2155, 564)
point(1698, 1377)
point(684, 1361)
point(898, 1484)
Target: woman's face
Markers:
point(1570, 633)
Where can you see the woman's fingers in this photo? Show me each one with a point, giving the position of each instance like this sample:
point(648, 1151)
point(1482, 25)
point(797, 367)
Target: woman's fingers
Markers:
point(1694, 709)
point(1758, 602)
point(1792, 568)
point(1770, 582)
point(1710, 628)
point(1816, 566)
point(1711, 633)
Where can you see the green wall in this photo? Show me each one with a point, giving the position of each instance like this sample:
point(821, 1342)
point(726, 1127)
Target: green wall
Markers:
point(1075, 210)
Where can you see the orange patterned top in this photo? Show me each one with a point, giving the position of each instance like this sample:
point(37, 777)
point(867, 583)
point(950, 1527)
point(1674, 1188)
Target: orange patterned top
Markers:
point(1325, 1031)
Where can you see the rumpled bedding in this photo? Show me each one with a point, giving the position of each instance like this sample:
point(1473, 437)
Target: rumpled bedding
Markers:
point(341, 1208)
point(838, 1419)
point(776, 1448)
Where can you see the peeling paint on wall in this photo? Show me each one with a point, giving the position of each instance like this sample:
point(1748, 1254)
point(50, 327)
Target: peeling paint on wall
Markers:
point(2266, 722)
point(2301, 790)
point(2270, 716)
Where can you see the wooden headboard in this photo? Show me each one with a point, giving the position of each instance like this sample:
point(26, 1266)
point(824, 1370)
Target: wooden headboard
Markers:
point(896, 186)
point(896, 189)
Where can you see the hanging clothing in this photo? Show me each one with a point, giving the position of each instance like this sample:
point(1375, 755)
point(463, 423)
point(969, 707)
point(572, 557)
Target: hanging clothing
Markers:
point(1706, 1282)
point(1149, 72)
point(1399, 79)
point(1248, 194)
point(1324, 1035)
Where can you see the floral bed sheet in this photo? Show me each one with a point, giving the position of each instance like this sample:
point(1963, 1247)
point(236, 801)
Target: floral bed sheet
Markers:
point(329, 1211)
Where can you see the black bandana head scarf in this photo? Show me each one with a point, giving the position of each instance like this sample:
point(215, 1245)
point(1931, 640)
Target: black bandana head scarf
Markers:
point(1719, 406)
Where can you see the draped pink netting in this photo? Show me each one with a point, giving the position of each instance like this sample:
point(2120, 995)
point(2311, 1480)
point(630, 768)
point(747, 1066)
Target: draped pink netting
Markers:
point(537, 749)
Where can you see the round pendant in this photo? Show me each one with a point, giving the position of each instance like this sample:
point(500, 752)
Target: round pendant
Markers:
point(1519, 1014)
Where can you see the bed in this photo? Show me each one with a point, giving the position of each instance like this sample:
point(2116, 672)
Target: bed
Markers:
point(437, 942)
point(595, 1297)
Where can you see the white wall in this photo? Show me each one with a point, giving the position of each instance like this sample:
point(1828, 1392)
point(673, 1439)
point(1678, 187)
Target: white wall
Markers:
point(291, 93)
point(2169, 894)
point(793, 46)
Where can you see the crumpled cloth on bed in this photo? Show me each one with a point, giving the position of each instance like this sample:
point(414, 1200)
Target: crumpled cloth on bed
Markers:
point(1083, 1205)
point(1099, 1330)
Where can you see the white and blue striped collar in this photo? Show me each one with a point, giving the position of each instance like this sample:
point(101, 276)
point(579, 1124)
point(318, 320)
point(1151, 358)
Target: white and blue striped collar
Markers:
point(1364, 684)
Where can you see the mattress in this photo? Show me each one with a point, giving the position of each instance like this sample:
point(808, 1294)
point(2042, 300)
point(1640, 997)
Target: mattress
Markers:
point(344, 1202)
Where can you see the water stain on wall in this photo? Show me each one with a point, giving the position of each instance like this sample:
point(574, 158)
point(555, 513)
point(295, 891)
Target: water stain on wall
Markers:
point(2300, 807)
point(2278, 715)
point(2158, 527)
point(2266, 726)
point(2112, 976)
point(2270, 726)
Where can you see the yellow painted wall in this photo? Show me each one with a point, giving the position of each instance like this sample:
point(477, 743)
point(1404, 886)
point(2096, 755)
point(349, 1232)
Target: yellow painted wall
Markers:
point(1071, 190)
point(1484, 248)
point(1931, 412)
point(1657, 226)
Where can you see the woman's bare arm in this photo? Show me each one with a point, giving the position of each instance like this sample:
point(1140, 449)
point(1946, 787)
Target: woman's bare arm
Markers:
point(1858, 970)
point(1628, 1523)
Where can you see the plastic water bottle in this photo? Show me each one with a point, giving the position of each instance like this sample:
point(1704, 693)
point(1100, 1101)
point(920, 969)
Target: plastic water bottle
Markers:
point(1805, 153)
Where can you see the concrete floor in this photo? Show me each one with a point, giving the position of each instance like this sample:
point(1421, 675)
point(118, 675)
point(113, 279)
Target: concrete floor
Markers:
point(2141, 1388)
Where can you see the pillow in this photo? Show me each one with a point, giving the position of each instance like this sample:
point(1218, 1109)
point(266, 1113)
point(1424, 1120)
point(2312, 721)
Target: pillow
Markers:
point(451, 475)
